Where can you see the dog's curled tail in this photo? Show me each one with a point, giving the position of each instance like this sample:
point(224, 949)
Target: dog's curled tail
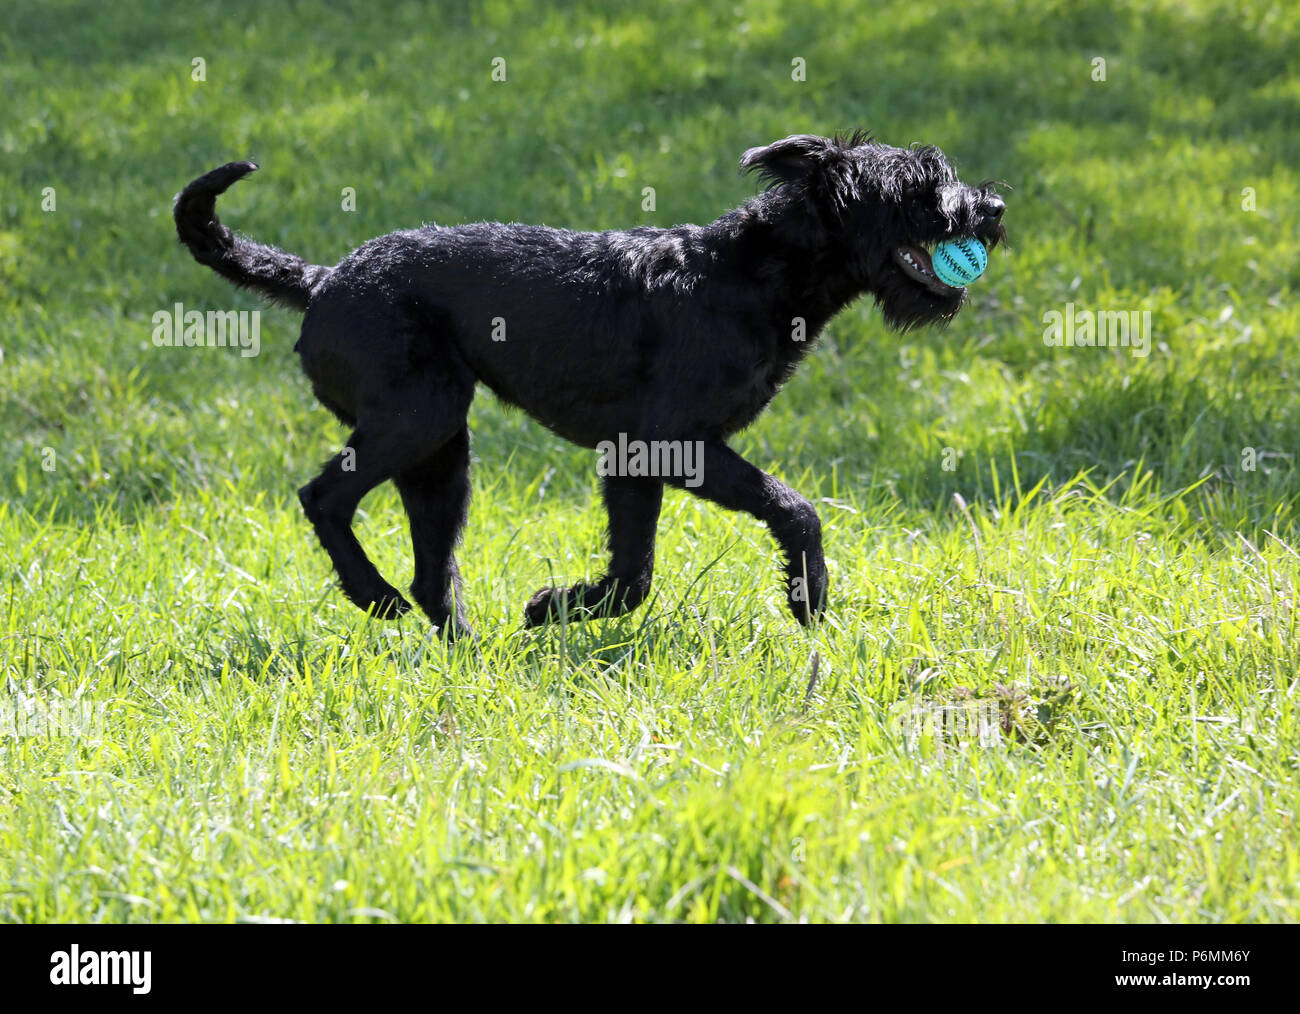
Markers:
point(282, 277)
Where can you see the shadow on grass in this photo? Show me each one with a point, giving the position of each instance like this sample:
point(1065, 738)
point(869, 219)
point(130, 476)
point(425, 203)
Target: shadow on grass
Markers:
point(1178, 428)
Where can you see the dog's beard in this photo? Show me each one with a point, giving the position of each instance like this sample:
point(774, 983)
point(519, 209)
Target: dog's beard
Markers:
point(909, 293)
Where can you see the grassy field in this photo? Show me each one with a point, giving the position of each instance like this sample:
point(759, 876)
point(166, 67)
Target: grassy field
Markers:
point(1096, 549)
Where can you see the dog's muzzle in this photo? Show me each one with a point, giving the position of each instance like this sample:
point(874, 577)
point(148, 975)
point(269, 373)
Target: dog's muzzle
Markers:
point(916, 264)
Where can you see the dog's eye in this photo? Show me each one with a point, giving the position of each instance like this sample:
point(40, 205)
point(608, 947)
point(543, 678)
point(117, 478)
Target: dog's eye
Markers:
point(921, 210)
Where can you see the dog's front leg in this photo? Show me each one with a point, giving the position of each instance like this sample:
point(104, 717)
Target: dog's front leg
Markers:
point(633, 505)
point(727, 479)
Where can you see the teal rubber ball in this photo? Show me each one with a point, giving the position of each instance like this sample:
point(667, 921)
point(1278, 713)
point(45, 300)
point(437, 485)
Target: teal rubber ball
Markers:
point(958, 262)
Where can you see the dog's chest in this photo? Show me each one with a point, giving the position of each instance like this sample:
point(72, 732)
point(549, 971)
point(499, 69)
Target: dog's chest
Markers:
point(739, 396)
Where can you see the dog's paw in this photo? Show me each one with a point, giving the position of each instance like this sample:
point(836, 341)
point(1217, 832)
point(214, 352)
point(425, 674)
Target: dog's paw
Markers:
point(806, 598)
point(450, 631)
point(806, 613)
point(388, 606)
point(550, 605)
point(543, 607)
point(607, 597)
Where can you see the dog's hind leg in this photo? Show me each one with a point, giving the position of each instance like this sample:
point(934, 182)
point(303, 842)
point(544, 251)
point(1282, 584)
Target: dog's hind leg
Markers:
point(730, 481)
point(395, 433)
point(330, 501)
point(436, 496)
point(633, 505)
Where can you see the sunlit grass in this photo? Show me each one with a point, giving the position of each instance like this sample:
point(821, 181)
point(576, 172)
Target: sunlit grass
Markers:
point(1075, 539)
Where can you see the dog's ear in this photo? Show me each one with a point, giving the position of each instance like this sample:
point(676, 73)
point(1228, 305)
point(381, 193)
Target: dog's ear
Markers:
point(795, 158)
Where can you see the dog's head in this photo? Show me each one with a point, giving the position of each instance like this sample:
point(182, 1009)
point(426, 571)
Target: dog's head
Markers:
point(880, 210)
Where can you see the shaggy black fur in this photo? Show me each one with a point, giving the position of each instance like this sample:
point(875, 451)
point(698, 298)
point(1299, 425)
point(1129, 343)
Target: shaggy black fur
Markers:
point(681, 334)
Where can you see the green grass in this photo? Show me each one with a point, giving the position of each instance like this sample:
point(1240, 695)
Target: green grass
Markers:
point(1098, 566)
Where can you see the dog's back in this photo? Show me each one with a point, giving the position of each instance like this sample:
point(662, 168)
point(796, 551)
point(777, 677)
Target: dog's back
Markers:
point(583, 330)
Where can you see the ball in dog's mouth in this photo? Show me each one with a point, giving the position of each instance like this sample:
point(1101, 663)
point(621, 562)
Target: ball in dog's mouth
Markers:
point(916, 264)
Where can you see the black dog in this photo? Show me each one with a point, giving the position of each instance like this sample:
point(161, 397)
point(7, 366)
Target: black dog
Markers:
point(644, 338)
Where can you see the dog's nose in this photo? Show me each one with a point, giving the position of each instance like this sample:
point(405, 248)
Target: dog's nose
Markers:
point(994, 206)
